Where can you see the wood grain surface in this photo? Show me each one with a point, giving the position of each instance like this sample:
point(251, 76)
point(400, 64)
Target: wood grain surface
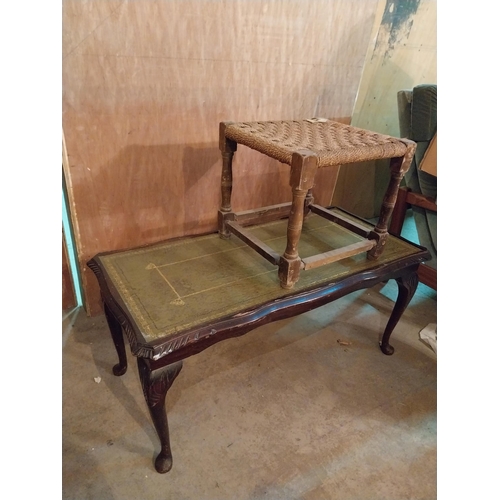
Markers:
point(146, 83)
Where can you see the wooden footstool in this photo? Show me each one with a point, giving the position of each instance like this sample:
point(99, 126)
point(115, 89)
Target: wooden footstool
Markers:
point(307, 145)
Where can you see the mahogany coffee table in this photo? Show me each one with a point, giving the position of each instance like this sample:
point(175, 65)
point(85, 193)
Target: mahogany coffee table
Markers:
point(177, 298)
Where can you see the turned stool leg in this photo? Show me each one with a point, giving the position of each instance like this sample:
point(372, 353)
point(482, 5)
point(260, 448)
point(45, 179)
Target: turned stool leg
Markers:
point(399, 166)
point(155, 385)
point(406, 289)
point(227, 148)
point(380, 232)
point(117, 335)
point(304, 166)
point(308, 202)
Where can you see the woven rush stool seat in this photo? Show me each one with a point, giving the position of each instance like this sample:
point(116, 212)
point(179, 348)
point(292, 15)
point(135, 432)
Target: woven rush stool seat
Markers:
point(334, 143)
point(307, 145)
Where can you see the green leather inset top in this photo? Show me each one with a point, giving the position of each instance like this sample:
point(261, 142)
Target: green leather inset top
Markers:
point(174, 286)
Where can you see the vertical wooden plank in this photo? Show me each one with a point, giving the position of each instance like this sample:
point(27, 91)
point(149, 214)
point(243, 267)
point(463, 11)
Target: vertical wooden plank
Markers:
point(68, 292)
point(73, 217)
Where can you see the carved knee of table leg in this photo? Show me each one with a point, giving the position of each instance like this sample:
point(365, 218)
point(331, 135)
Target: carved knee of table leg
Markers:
point(155, 385)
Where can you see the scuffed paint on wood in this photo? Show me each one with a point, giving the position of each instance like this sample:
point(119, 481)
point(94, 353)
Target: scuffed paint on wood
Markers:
point(396, 25)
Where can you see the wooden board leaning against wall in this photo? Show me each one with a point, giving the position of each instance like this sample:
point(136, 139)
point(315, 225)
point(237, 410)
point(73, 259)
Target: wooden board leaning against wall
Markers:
point(145, 85)
point(402, 54)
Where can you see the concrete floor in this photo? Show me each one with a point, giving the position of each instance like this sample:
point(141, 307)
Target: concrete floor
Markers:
point(285, 412)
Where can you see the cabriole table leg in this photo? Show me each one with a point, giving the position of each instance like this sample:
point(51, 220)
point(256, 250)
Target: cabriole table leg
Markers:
point(407, 285)
point(155, 385)
point(117, 335)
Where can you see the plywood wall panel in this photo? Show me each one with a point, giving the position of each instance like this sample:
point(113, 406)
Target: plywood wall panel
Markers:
point(146, 83)
point(81, 18)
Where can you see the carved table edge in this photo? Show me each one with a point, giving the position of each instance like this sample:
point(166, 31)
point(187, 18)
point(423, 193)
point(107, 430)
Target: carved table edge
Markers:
point(199, 338)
